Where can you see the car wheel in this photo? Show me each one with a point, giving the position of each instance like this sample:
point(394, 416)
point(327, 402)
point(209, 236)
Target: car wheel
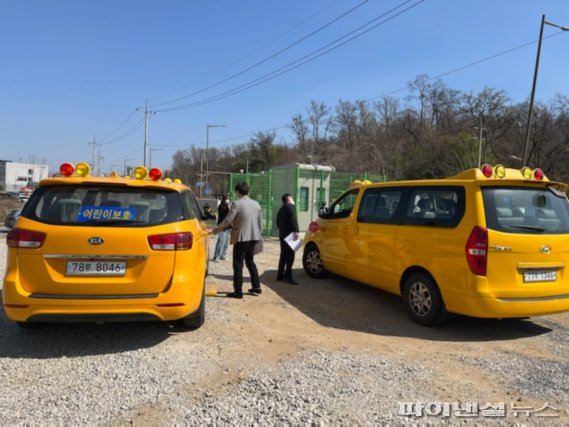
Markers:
point(197, 318)
point(423, 300)
point(312, 262)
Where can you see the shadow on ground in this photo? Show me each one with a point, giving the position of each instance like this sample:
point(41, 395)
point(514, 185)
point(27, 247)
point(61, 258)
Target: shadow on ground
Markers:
point(337, 302)
point(79, 339)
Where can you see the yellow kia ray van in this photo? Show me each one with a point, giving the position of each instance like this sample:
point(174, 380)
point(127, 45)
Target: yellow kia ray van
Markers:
point(107, 248)
point(490, 242)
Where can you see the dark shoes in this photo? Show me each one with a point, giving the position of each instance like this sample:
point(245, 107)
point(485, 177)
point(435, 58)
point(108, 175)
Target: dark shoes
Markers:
point(235, 295)
point(256, 291)
point(286, 279)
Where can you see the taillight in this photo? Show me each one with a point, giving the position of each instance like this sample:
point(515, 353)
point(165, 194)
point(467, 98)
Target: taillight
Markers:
point(171, 242)
point(20, 238)
point(314, 227)
point(477, 251)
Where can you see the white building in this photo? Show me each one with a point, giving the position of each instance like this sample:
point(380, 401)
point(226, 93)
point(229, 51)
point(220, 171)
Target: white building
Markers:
point(14, 176)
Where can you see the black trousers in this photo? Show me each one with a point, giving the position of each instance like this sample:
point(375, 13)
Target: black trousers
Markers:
point(286, 260)
point(243, 251)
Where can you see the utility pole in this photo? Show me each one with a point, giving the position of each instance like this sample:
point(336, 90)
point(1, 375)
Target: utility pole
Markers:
point(93, 150)
point(481, 129)
point(530, 112)
point(206, 180)
point(147, 112)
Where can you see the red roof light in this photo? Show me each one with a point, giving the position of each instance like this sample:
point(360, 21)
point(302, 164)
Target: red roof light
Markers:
point(155, 174)
point(487, 170)
point(66, 169)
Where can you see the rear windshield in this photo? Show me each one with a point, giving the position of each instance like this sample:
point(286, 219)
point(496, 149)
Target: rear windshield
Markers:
point(104, 205)
point(526, 210)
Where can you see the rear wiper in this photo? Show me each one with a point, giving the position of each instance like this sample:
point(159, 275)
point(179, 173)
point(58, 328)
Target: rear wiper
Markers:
point(529, 227)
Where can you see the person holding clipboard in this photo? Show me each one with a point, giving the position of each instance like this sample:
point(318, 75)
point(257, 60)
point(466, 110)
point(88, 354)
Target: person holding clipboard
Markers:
point(287, 224)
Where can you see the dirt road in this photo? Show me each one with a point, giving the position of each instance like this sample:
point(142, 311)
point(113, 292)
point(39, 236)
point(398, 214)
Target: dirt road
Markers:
point(285, 332)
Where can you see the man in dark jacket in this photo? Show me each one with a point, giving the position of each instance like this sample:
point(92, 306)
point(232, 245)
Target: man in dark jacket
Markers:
point(287, 224)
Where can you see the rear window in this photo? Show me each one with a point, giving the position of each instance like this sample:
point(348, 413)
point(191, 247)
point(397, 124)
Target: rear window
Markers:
point(526, 210)
point(104, 205)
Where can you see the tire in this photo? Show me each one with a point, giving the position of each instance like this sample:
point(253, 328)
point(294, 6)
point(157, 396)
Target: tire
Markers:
point(423, 300)
point(196, 319)
point(312, 262)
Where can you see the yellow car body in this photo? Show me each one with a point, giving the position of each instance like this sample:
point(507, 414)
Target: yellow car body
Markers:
point(494, 244)
point(99, 249)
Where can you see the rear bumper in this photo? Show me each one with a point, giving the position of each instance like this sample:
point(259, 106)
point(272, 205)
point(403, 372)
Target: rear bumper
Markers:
point(510, 307)
point(180, 300)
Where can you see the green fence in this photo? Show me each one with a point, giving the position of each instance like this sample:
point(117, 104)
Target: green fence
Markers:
point(260, 189)
point(310, 188)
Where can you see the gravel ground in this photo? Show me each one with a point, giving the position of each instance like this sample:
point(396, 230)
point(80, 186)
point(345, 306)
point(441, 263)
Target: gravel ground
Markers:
point(327, 352)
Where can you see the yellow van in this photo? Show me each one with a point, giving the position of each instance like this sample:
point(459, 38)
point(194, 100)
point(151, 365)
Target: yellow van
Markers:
point(107, 248)
point(490, 242)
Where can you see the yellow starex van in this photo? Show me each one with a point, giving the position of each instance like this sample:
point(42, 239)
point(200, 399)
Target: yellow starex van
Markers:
point(490, 242)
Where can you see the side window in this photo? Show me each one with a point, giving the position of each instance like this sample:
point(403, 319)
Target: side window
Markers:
point(442, 206)
point(190, 205)
point(303, 199)
point(342, 208)
point(379, 205)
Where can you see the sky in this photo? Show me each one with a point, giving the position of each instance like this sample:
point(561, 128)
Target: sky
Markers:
point(74, 73)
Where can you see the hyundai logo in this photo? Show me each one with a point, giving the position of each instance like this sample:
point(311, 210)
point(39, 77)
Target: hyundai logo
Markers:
point(545, 249)
point(96, 240)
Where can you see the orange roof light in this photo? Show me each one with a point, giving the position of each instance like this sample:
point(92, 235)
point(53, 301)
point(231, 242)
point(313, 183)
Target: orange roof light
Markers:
point(140, 172)
point(500, 171)
point(527, 173)
point(83, 169)
point(155, 174)
point(66, 169)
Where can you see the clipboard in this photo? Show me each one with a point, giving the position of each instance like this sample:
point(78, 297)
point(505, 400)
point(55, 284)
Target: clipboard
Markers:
point(295, 245)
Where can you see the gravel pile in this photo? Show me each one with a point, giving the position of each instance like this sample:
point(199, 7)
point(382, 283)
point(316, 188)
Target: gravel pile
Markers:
point(316, 388)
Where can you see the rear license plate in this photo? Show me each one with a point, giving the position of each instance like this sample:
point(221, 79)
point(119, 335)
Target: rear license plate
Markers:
point(95, 268)
point(540, 276)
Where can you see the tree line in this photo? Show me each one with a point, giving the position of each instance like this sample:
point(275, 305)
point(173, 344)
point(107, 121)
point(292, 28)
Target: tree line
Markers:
point(433, 132)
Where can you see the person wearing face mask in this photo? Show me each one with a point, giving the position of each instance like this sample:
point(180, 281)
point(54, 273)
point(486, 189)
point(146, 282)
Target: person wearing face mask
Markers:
point(287, 223)
point(223, 236)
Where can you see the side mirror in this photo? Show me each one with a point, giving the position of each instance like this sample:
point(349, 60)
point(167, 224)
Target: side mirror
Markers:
point(323, 213)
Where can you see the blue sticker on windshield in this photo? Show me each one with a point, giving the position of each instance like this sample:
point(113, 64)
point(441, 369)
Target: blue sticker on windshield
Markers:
point(105, 213)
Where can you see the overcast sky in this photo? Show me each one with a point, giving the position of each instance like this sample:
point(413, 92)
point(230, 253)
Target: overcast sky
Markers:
point(73, 71)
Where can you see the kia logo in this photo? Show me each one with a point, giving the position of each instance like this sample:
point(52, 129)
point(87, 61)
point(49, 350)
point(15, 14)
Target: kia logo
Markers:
point(545, 249)
point(96, 240)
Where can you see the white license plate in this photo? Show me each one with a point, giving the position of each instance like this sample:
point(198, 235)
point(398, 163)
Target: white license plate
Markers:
point(95, 268)
point(540, 276)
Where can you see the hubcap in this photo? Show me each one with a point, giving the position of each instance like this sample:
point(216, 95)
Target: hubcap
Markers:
point(420, 299)
point(313, 262)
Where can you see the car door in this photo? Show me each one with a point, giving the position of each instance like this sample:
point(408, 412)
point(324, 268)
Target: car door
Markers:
point(375, 240)
point(338, 232)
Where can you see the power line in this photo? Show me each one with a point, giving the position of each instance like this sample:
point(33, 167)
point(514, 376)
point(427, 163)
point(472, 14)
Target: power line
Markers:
point(253, 52)
point(463, 67)
point(303, 60)
point(128, 132)
point(267, 58)
point(119, 127)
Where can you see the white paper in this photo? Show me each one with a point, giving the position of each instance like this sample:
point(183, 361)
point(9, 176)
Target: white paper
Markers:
point(294, 244)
